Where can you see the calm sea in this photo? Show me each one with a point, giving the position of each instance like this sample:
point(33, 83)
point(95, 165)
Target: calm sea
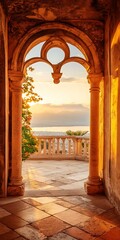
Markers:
point(61, 130)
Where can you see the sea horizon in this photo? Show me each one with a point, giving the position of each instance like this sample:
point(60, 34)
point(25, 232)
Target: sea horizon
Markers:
point(54, 130)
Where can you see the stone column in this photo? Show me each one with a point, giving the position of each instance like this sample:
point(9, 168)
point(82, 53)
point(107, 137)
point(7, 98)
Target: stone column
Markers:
point(16, 186)
point(94, 183)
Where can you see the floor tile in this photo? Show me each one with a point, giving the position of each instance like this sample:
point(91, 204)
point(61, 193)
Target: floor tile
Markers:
point(57, 184)
point(31, 201)
point(3, 213)
point(52, 208)
point(35, 184)
point(102, 202)
point(88, 209)
point(110, 216)
point(64, 203)
point(113, 234)
point(75, 185)
point(16, 206)
point(30, 233)
point(86, 217)
point(77, 177)
point(44, 200)
point(65, 181)
point(96, 227)
point(7, 200)
point(76, 200)
point(3, 229)
point(32, 214)
point(79, 234)
point(9, 236)
point(86, 199)
point(13, 221)
point(62, 236)
point(72, 217)
point(50, 226)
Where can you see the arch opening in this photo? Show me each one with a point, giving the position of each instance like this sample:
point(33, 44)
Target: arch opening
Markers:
point(91, 63)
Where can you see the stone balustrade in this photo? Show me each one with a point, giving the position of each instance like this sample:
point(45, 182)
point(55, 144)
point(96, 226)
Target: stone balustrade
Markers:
point(62, 147)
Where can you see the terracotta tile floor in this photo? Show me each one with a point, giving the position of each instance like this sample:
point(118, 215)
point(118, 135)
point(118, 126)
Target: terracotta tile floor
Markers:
point(56, 207)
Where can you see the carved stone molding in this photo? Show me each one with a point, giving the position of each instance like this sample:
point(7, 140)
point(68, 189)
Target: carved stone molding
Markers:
point(15, 80)
point(95, 78)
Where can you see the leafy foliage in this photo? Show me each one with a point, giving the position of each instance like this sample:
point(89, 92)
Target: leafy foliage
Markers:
point(76, 133)
point(29, 141)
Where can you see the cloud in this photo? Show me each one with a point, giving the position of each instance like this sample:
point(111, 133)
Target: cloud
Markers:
point(59, 115)
point(73, 79)
point(68, 79)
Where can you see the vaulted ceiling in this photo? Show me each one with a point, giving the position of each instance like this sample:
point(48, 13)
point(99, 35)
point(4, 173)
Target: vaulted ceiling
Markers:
point(61, 10)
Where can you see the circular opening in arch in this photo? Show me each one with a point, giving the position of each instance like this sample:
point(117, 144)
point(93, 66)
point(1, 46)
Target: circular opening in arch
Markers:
point(55, 55)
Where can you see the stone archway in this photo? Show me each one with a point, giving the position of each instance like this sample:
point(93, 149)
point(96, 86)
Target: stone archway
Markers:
point(55, 34)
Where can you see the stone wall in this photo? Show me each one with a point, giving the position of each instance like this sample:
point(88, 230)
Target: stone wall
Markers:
point(112, 106)
point(3, 103)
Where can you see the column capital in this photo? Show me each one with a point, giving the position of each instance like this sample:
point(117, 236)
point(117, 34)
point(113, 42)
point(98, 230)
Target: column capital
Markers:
point(95, 78)
point(15, 76)
point(16, 79)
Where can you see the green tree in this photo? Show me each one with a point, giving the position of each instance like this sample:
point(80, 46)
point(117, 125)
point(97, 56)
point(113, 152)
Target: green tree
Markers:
point(76, 133)
point(29, 141)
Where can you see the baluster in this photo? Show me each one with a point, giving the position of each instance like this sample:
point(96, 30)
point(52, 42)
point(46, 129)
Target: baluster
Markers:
point(58, 146)
point(66, 146)
point(69, 146)
point(63, 147)
point(53, 146)
point(80, 147)
point(52, 142)
point(73, 146)
point(83, 144)
point(39, 146)
point(49, 146)
point(88, 149)
point(76, 146)
point(44, 146)
point(85, 149)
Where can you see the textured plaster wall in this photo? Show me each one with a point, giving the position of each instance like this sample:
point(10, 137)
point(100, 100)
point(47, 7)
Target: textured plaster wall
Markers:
point(3, 103)
point(112, 107)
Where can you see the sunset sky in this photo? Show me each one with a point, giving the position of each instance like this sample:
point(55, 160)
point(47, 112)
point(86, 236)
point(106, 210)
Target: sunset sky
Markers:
point(63, 104)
